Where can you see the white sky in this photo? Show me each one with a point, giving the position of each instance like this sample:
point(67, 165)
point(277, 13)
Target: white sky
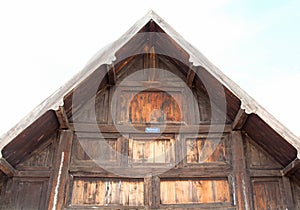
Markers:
point(44, 43)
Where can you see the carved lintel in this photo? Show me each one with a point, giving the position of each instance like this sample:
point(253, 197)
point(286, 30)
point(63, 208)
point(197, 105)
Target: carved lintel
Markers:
point(111, 73)
point(7, 168)
point(62, 118)
point(240, 120)
point(291, 168)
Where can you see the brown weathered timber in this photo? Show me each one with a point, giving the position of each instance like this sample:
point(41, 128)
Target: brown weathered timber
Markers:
point(292, 167)
point(111, 74)
point(190, 77)
point(60, 172)
point(62, 118)
point(7, 168)
point(239, 120)
point(240, 176)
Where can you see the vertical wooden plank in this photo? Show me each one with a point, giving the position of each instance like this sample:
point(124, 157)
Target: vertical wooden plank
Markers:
point(241, 178)
point(288, 193)
point(60, 170)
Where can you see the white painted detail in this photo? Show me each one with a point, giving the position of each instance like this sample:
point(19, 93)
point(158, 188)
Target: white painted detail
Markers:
point(58, 181)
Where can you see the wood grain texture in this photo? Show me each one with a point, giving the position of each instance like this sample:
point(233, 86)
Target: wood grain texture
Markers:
point(194, 191)
point(107, 192)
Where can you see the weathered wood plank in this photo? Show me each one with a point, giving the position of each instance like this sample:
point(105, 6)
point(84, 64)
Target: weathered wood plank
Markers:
point(190, 77)
point(7, 168)
point(240, 176)
point(288, 193)
point(239, 120)
point(111, 74)
point(62, 118)
point(60, 170)
point(291, 168)
point(95, 128)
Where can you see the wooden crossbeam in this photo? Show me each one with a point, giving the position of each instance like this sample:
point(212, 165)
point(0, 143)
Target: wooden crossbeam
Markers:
point(240, 120)
point(291, 168)
point(62, 118)
point(7, 168)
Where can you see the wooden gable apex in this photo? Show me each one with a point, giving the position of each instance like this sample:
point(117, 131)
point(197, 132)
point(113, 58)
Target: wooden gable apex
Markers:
point(54, 112)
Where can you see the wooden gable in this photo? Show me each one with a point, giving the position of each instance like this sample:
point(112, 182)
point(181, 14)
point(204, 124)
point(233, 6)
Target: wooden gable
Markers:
point(150, 129)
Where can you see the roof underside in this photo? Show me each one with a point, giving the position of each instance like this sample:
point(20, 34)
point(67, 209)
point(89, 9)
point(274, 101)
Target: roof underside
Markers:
point(151, 31)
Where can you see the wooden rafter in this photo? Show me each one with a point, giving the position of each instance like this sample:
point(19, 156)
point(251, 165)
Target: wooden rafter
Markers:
point(291, 168)
point(190, 77)
point(62, 118)
point(7, 168)
point(240, 120)
point(111, 74)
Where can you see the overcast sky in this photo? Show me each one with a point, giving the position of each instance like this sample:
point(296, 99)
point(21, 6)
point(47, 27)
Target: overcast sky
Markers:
point(44, 43)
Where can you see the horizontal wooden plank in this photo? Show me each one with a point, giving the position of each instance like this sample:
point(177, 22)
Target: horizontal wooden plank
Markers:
point(90, 169)
point(35, 174)
point(95, 128)
point(265, 173)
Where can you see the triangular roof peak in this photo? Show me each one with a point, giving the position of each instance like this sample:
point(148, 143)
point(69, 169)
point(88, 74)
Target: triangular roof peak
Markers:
point(107, 56)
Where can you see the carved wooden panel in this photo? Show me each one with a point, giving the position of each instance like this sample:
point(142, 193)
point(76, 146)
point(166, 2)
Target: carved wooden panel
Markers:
point(145, 151)
point(107, 192)
point(267, 194)
point(149, 107)
point(194, 191)
point(203, 149)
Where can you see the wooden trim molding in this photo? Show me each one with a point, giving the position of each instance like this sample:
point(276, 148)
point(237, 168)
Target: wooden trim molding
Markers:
point(240, 120)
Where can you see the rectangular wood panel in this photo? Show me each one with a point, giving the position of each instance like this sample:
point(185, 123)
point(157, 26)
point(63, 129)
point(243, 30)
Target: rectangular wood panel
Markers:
point(106, 192)
point(194, 191)
point(149, 107)
point(206, 150)
point(267, 194)
point(106, 151)
point(29, 194)
point(152, 151)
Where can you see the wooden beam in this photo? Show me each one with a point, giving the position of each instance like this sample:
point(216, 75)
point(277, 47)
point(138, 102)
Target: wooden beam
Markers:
point(60, 170)
point(190, 77)
point(7, 168)
point(241, 180)
point(62, 118)
point(291, 168)
point(240, 120)
point(95, 128)
point(111, 73)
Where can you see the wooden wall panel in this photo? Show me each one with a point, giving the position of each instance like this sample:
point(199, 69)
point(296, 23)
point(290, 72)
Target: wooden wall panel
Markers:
point(194, 191)
point(267, 194)
point(149, 107)
point(104, 150)
point(95, 110)
point(107, 192)
point(296, 193)
point(29, 194)
point(152, 151)
point(41, 159)
point(204, 150)
point(258, 158)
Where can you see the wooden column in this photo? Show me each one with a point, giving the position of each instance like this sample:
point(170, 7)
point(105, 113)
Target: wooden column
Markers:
point(60, 170)
point(241, 180)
